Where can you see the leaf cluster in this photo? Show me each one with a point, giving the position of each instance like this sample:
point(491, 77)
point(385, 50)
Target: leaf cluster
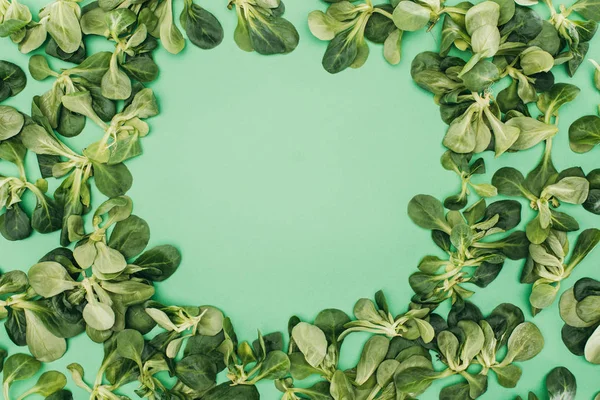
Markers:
point(91, 288)
point(547, 266)
point(495, 343)
point(20, 367)
point(545, 189)
point(473, 256)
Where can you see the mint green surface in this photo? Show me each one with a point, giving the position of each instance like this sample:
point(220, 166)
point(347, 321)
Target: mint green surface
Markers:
point(286, 189)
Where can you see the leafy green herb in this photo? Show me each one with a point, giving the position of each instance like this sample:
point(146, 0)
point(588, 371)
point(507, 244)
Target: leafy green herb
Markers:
point(546, 266)
point(576, 34)
point(201, 27)
point(132, 56)
point(89, 289)
point(315, 349)
point(460, 164)
point(14, 17)
point(470, 339)
point(545, 189)
point(471, 259)
point(105, 285)
point(411, 325)
point(262, 28)
point(83, 78)
point(347, 27)
point(15, 223)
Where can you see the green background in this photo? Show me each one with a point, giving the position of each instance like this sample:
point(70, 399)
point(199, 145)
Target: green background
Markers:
point(286, 189)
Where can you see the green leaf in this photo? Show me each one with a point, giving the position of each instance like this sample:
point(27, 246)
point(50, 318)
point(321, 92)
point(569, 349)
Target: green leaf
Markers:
point(170, 35)
point(341, 388)
point(115, 83)
point(571, 189)
point(385, 372)
point(427, 212)
point(112, 180)
point(486, 13)
point(13, 282)
point(108, 261)
point(276, 366)
point(198, 372)
point(535, 60)
point(457, 391)
point(130, 236)
point(12, 80)
point(300, 369)
point(42, 343)
point(586, 242)
point(311, 341)
point(13, 151)
point(461, 237)
point(584, 133)
point(547, 39)
point(570, 309)
point(226, 391)
point(272, 35)
point(158, 263)
point(202, 28)
point(341, 53)
point(461, 136)
point(535, 232)
point(561, 384)
point(507, 10)
point(99, 316)
point(379, 27)
point(392, 47)
point(532, 132)
point(560, 94)
point(48, 383)
point(242, 36)
point(414, 380)
point(592, 347)
point(80, 103)
point(331, 322)
point(509, 182)
point(372, 355)
point(481, 76)
point(525, 342)
point(63, 25)
point(47, 216)
point(473, 342)
point(15, 224)
point(11, 122)
point(19, 367)
point(130, 345)
point(322, 26)
point(93, 68)
point(49, 279)
point(508, 376)
point(504, 135)
point(477, 384)
point(448, 345)
point(588, 9)
point(119, 21)
point(542, 295)
point(409, 16)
